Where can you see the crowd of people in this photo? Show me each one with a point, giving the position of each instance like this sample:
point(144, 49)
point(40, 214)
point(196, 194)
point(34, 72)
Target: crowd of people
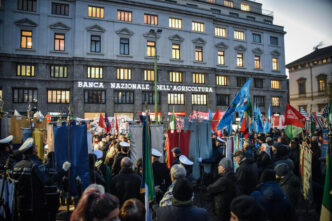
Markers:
point(260, 182)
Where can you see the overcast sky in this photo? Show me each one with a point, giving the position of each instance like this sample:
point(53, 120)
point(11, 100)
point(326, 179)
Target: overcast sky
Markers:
point(307, 22)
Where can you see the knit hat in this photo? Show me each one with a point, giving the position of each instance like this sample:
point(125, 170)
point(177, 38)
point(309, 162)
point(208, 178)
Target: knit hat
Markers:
point(281, 169)
point(246, 208)
point(183, 190)
point(226, 163)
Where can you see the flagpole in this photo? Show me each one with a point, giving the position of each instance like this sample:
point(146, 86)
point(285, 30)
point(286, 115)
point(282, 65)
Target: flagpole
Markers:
point(69, 156)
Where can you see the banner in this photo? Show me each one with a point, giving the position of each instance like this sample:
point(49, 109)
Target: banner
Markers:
point(305, 165)
point(325, 144)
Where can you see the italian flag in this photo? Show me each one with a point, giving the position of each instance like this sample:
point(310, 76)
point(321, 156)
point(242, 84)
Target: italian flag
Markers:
point(294, 122)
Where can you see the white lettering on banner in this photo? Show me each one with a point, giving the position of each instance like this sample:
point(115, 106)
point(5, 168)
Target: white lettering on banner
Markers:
point(79, 84)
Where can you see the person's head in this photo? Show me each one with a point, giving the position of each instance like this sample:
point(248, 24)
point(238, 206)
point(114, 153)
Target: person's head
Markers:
point(176, 152)
point(95, 206)
point(246, 144)
point(281, 170)
point(269, 141)
point(126, 163)
point(279, 140)
point(245, 208)
point(225, 165)
point(182, 191)
point(238, 155)
point(132, 210)
point(6, 144)
point(155, 155)
point(139, 165)
point(177, 172)
point(267, 175)
point(28, 147)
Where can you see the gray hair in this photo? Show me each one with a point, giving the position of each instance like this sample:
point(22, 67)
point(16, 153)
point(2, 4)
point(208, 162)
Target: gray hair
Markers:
point(100, 188)
point(178, 171)
point(126, 163)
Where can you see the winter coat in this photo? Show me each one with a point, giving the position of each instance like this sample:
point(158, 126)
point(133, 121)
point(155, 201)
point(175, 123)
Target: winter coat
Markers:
point(247, 176)
point(290, 185)
point(184, 212)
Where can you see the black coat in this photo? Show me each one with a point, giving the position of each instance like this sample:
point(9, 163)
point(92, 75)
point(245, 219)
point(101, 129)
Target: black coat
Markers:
point(116, 166)
point(247, 176)
point(126, 185)
point(161, 175)
point(290, 185)
point(187, 212)
point(223, 190)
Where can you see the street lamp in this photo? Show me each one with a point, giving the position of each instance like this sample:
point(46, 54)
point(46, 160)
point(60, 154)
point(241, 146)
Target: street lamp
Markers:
point(156, 33)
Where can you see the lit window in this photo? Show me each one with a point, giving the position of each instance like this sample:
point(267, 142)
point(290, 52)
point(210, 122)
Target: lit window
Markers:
point(95, 44)
point(123, 97)
point(259, 101)
point(239, 35)
point(256, 38)
point(27, 5)
point(26, 39)
point(229, 4)
point(198, 99)
point(148, 97)
point(221, 58)
point(124, 16)
point(60, 9)
point(94, 97)
point(59, 42)
point(239, 60)
point(58, 71)
point(275, 65)
point(124, 46)
point(324, 60)
point(151, 48)
point(150, 19)
point(58, 96)
point(257, 62)
point(198, 54)
point(25, 70)
point(198, 26)
point(175, 23)
point(275, 84)
point(211, 1)
point(322, 83)
point(95, 72)
point(276, 101)
point(222, 99)
point(175, 76)
point(24, 95)
point(176, 51)
point(222, 80)
point(148, 75)
point(220, 32)
point(175, 98)
point(258, 83)
point(95, 12)
point(273, 40)
point(123, 74)
point(198, 78)
point(245, 7)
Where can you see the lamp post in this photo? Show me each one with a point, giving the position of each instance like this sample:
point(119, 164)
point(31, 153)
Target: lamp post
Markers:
point(152, 31)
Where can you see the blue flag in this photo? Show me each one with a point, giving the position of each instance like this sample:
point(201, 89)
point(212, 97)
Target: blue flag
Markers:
point(267, 125)
point(258, 120)
point(210, 115)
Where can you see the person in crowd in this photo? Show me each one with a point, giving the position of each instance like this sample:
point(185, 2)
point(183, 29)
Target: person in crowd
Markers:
point(96, 176)
point(177, 172)
point(246, 174)
point(127, 183)
point(271, 197)
point(248, 150)
point(188, 165)
point(245, 208)
point(281, 155)
point(95, 205)
point(31, 176)
point(132, 210)
point(182, 207)
point(117, 160)
point(176, 152)
point(217, 155)
point(223, 190)
point(139, 167)
point(295, 156)
point(6, 149)
point(264, 160)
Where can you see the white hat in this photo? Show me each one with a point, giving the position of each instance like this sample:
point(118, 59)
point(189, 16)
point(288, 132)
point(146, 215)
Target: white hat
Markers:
point(6, 140)
point(46, 146)
point(124, 144)
point(156, 153)
point(98, 154)
point(184, 160)
point(26, 145)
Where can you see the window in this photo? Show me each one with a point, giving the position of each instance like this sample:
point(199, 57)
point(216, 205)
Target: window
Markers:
point(57, 96)
point(245, 7)
point(301, 83)
point(240, 81)
point(24, 95)
point(198, 26)
point(94, 96)
point(222, 99)
point(222, 80)
point(251, 18)
point(175, 76)
point(150, 19)
point(27, 5)
point(275, 64)
point(273, 40)
point(275, 84)
point(26, 39)
point(95, 72)
point(148, 97)
point(175, 23)
point(198, 99)
point(239, 60)
point(275, 101)
point(123, 97)
point(95, 44)
point(257, 62)
point(175, 98)
point(268, 21)
point(221, 57)
point(321, 83)
point(124, 16)
point(59, 42)
point(259, 101)
point(229, 4)
point(123, 74)
point(258, 82)
point(198, 53)
point(176, 51)
point(151, 48)
point(236, 15)
point(239, 35)
point(96, 12)
point(148, 75)
point(58, 71)
point(198, 78)
point(60, 9)
point(220, 32)
point(256, 38)
point(25, 70)
point(124, 46)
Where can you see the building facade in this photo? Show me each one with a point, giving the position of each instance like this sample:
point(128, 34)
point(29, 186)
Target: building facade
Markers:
point(98, 56)
point(310, 78)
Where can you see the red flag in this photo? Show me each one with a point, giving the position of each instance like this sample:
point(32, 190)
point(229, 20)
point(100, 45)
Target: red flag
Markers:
point(101, 122)
point(108, 126)
point(294, 117)
point(244, 129)
point(116, 124)
point(215, 120)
